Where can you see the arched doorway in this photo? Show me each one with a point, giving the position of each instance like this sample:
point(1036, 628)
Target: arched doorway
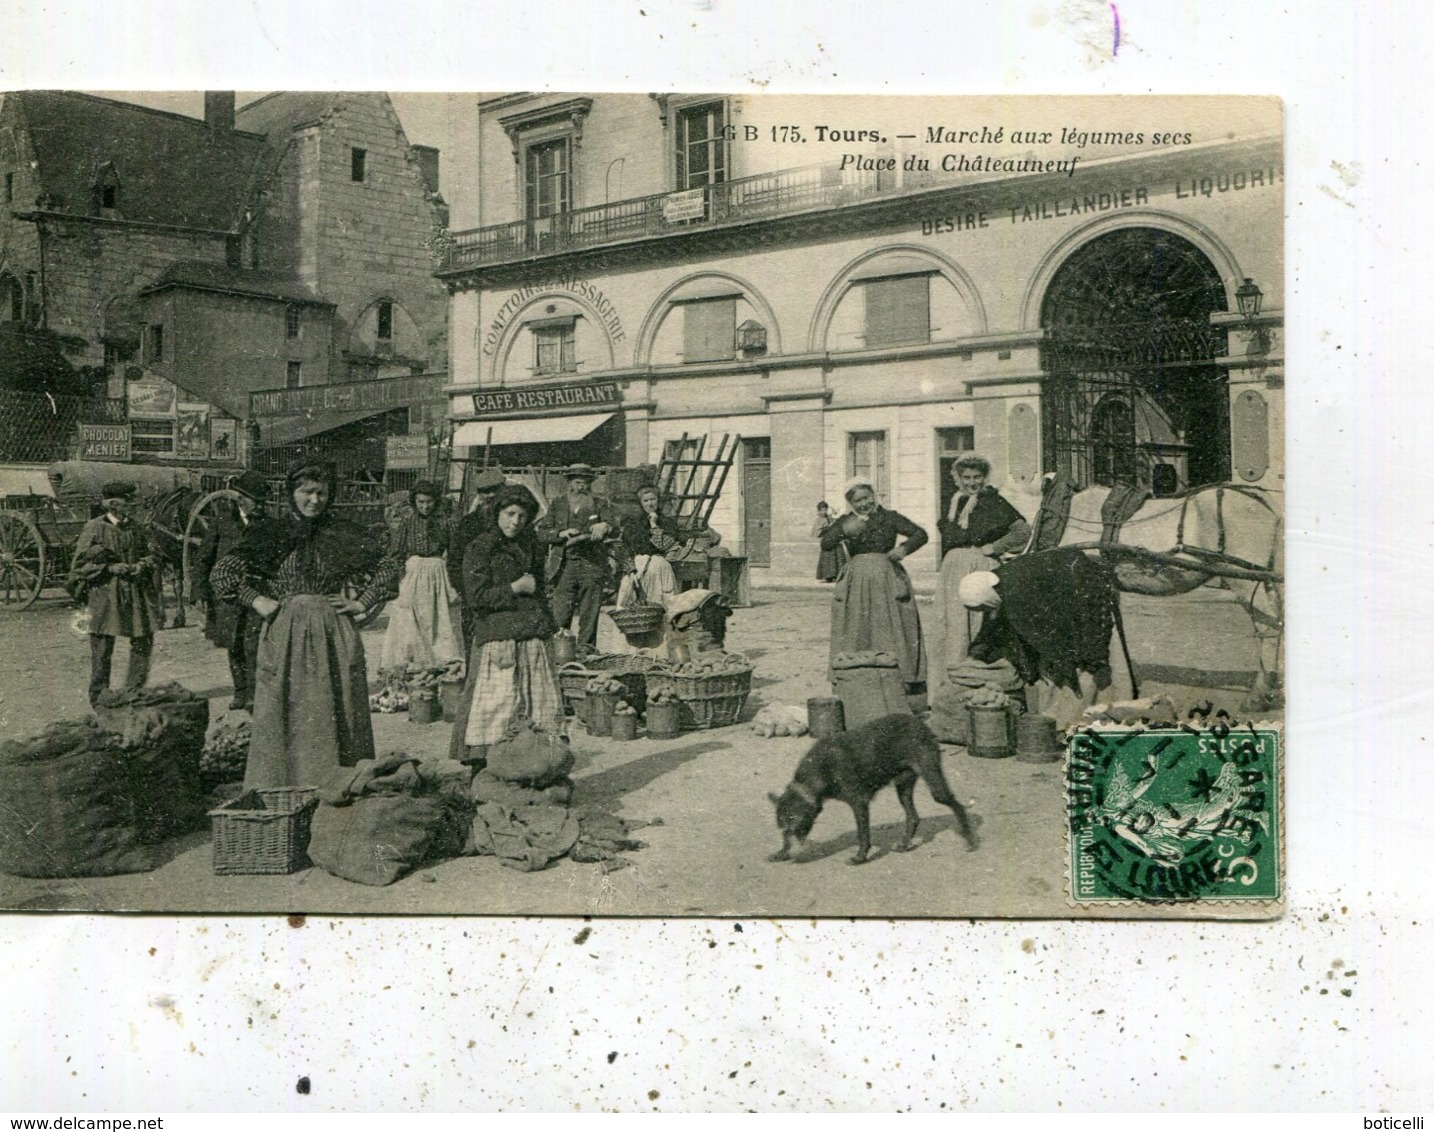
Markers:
point(1132, 394)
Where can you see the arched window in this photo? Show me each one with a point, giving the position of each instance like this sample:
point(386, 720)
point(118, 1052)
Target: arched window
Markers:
point(105, 193)
point(1129, 355)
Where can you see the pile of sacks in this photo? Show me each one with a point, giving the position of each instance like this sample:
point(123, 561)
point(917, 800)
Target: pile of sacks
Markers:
point(383, 818)
point(226, 754)
point(99, 797)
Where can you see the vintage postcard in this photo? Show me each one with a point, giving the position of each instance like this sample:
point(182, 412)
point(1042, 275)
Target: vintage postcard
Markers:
point(639, 504)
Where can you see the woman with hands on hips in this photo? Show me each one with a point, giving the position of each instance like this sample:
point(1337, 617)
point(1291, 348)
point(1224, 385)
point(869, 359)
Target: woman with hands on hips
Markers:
point(311, 685)
point(873, 608)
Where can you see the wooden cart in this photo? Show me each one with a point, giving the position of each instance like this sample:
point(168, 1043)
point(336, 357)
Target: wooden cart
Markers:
point(37, 539)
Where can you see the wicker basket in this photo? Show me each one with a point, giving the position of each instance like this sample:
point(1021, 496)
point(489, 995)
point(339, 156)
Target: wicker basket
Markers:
point(638, 620)
point(272, 838)
point(630, 670)
point(712, 700)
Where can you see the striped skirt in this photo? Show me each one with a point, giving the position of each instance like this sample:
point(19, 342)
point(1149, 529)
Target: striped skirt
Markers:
point(509, 682)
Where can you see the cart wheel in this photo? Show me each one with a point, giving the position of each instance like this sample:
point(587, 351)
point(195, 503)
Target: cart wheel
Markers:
point(201, 515)
point(22, 560)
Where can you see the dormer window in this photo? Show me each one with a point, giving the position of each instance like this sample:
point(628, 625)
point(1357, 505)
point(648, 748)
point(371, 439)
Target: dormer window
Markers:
point(106, 191)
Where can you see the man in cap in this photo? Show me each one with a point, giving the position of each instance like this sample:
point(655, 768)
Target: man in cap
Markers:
point(233, 627)
point(473, 524)
point(113, 570)
point(578, 528)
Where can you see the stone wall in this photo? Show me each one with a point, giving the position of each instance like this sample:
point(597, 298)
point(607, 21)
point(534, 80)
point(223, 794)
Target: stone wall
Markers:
point(357, 242)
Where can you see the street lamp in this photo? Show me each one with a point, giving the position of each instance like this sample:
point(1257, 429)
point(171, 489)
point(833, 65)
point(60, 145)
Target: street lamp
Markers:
point(1248, 298)
point(752, 337)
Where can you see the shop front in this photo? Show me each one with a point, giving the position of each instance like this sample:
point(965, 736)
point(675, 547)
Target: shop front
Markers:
point(542, 426)
point(1127, 329)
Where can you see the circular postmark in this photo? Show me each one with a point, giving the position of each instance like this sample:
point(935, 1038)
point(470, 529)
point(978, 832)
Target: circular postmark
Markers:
point(1174, 814)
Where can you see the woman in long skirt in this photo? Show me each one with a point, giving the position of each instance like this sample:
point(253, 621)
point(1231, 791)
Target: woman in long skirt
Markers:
point(979, 527)
point(311, 686)
point(874, 608)
point(421, 632)
point(511, 676)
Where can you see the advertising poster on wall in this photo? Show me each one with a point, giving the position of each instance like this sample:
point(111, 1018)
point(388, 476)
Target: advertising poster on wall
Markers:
point(223, 439)
point(191, 432)
point(152, 396)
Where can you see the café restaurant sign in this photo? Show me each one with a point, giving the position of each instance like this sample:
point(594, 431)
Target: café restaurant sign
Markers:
point(104, 442)
point(547, 400)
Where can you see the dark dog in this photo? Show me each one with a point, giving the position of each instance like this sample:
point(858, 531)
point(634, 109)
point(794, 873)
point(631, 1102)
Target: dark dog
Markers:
point(852, 767)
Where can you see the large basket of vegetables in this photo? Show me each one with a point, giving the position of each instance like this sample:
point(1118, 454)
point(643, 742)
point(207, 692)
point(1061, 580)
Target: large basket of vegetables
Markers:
point(711, 690)
point(630, 670)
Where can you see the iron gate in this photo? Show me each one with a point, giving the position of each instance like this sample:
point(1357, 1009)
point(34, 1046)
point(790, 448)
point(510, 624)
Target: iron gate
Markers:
point(1132, 394)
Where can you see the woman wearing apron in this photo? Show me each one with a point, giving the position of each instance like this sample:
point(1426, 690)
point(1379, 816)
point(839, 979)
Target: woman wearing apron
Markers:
point(421, 631)
point(311, 687)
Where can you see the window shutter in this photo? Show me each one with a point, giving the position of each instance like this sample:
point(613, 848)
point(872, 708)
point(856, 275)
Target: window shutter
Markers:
point(898, 310)
point(710, 330)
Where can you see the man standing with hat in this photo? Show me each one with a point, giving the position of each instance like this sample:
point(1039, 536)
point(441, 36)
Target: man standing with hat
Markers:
point(577, 529)
point(233, 627)
point(473, 524)
point(113, 568)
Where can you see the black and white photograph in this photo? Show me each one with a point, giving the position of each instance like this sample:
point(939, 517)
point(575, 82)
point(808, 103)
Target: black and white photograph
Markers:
point(642, 504)
point(872, 417)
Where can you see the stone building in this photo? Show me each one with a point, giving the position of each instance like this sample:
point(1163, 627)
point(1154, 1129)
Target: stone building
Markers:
point(635, 268)
point(191, 263)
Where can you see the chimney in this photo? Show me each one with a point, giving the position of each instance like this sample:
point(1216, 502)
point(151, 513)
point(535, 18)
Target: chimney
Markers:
point(219, 110)
point(427, 158)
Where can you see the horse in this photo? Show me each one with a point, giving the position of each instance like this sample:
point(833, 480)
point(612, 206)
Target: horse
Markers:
point(1173, 545)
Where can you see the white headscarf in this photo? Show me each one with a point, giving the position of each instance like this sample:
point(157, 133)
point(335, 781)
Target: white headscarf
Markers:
point(978, 590)
point(854, 483)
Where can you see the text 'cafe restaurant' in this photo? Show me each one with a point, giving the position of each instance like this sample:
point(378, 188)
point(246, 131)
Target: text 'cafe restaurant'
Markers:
point(1121, 325)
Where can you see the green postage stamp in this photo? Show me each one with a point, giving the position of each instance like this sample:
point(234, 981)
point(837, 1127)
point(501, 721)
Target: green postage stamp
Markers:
point(1175, 814)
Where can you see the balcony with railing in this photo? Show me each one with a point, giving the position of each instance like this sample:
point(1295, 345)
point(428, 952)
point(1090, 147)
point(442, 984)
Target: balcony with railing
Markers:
point(784, 192)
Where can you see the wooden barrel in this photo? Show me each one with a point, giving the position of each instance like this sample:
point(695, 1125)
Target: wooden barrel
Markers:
point(992, 732)
point(664, 720)
point(597, 713)
point(1038, 739)
point(565, 649)
point(825, 717)
point(624, 727)
point(423, 705)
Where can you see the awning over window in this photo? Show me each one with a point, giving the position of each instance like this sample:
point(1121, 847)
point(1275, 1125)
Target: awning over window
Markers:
point(275, 432)
point(529, 430)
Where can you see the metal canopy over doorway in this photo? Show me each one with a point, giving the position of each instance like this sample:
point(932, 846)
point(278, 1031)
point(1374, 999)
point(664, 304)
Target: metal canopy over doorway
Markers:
point(1132, 394)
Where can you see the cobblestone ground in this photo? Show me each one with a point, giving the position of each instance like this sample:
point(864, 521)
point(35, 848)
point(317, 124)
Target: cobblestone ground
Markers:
point(709, 789)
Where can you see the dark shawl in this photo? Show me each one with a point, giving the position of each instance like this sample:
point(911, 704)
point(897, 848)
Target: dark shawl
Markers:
point(1055, 618)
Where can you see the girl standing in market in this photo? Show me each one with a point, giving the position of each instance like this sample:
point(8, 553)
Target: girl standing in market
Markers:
point(421, 630)
point(311, 687)
point(828, 561)
point(511, 676)
point(979, 527)
point(873, 608)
